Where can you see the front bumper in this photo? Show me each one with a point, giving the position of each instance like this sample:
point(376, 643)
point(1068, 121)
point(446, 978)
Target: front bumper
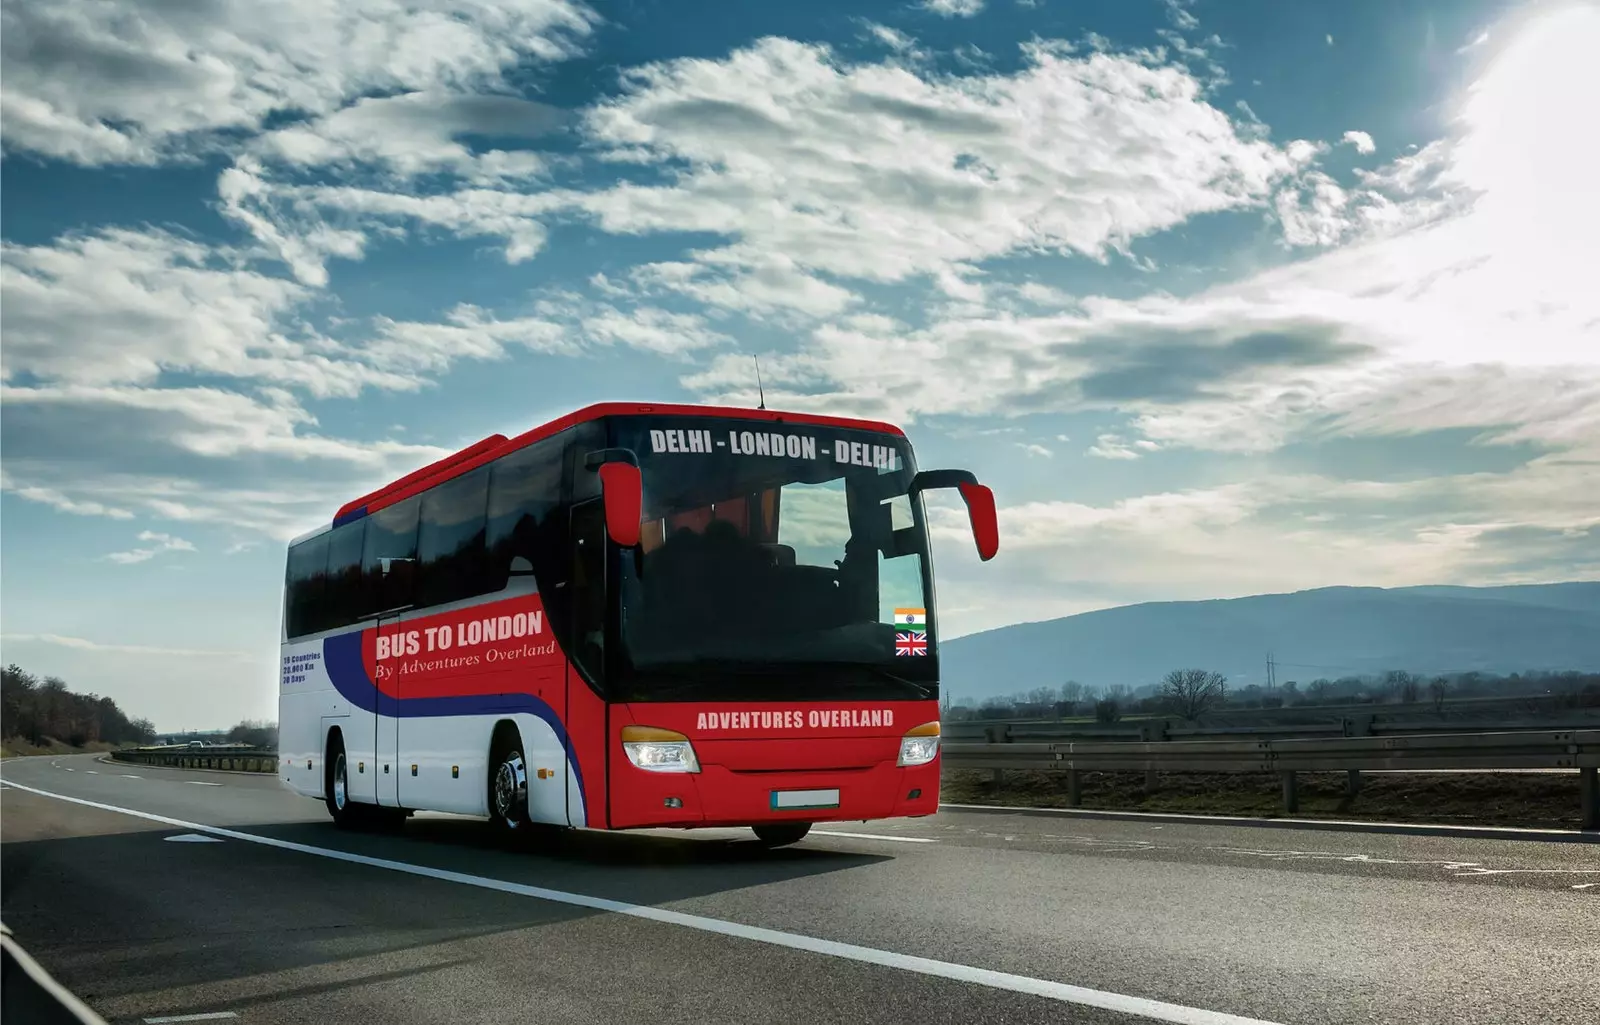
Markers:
point(718, 796)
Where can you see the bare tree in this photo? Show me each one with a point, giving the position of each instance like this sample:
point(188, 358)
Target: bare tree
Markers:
point(1072, 692)
point(1402, 685)
point(1192, 691)
point(1437, 689)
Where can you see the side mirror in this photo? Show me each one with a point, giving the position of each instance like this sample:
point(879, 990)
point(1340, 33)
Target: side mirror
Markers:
point(980, 505)
point(622, 492)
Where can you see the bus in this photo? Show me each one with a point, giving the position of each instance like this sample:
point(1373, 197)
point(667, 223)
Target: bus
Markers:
point(635, 616)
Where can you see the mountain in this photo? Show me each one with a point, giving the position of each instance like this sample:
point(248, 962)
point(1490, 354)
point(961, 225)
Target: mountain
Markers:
point(1327, 632)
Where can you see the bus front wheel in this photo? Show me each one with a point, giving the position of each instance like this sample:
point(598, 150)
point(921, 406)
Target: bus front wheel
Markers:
point(781, 834)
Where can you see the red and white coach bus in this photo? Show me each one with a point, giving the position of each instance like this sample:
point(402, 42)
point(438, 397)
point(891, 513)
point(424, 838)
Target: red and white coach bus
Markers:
point(633, 616)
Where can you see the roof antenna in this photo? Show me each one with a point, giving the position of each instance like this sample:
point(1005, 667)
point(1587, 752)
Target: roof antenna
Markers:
point(759, 389)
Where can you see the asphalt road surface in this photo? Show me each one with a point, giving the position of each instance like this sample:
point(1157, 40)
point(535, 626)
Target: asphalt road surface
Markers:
point(270, 915)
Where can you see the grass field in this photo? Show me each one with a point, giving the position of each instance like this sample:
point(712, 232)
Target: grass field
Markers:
point(1528, 800)
point(16, 747)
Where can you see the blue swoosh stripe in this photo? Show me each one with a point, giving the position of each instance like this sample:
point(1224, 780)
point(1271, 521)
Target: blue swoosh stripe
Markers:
point(341, 656)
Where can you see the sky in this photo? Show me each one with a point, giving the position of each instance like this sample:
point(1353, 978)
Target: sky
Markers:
point(1220, 298)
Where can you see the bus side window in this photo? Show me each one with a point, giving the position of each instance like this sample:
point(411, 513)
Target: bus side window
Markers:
point(344, 574)
point(307, 586)
point(450, 550)
point(389, 556)
point(524, 489)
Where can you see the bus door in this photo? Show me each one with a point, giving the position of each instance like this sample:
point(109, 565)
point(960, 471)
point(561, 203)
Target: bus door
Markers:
point(386, 726)
point(586, 709)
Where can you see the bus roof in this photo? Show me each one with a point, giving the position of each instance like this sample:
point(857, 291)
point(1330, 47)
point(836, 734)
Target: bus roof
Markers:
point(497, 445)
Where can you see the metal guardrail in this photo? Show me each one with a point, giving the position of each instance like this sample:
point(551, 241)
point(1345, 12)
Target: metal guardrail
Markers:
point(1161, 729)
point(29, 994)
point(1509, 749)
point(229, 759)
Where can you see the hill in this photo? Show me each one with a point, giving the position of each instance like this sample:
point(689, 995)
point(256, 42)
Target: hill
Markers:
point(1327, 632)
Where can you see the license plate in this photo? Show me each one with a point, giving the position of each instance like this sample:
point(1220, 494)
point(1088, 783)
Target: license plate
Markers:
point(786, 799)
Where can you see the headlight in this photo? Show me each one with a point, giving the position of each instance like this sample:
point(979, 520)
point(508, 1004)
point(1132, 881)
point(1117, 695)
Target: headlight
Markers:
point(920, 746)
point(659, 750)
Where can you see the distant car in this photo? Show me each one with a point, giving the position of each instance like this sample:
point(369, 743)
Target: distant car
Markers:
point(197, 743)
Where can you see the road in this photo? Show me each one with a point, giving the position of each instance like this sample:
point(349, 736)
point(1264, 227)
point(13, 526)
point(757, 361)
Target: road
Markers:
point(965, 917)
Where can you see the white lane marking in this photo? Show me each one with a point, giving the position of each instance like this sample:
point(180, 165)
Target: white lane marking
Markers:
point(207, 1016)
point(69, 768)
point(1584, 886)
point(191, 838)
point(129, 775)
point(201, 783)
point(92, 772)
point(1065, 992)
point(874, 836)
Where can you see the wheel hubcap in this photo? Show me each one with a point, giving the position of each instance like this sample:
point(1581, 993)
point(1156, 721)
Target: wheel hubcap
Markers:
point(339, 787)
point(510, 791)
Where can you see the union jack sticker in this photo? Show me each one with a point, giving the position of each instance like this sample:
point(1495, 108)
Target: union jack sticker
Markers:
point(910, 644)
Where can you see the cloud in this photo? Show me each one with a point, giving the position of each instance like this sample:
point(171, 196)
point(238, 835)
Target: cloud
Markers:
point(1114, 446)
point(198, 455)
point(1454, 269)
point(1274, 534)
point(894, 39)
point(152, 80)
point(818, 171)
point(61, 503)
point(85, 644)
point(1180, 16)
point(159, 543)
point(1034, 449)
point(953, 8)
point(418, 133)
point(1360, 140)
point(108, 336)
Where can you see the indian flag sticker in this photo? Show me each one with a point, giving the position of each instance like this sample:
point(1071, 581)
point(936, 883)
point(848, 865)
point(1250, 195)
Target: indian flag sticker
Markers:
point(911, 620)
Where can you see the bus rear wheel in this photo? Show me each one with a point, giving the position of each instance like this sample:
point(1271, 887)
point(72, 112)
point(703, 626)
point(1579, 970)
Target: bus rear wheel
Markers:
point(508, 787)
point(336, 786)
point(781, 834)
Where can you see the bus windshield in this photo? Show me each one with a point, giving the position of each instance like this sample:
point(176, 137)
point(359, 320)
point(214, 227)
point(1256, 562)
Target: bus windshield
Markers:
point(773, 550)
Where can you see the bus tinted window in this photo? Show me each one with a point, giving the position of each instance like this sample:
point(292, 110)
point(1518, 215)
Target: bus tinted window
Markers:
point(389, 557)
point(344, 593)
point(450, 549)
point(524, 487)
point(307, 586)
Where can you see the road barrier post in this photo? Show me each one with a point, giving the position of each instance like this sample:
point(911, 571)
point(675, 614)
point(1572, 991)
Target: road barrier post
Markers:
point(1352, 782)
point(1074, 788)
point(1291, 793)
point(1589, 793)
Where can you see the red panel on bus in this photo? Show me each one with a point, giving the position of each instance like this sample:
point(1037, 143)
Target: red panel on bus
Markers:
point(490, 443)
point(460, 463)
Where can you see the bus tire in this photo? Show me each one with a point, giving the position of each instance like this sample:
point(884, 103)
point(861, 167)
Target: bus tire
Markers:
point(336, 785)
point(508, 783)
point(781, 834)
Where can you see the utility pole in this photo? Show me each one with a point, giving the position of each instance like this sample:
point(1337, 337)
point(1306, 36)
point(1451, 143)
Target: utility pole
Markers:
point(1272, 676)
